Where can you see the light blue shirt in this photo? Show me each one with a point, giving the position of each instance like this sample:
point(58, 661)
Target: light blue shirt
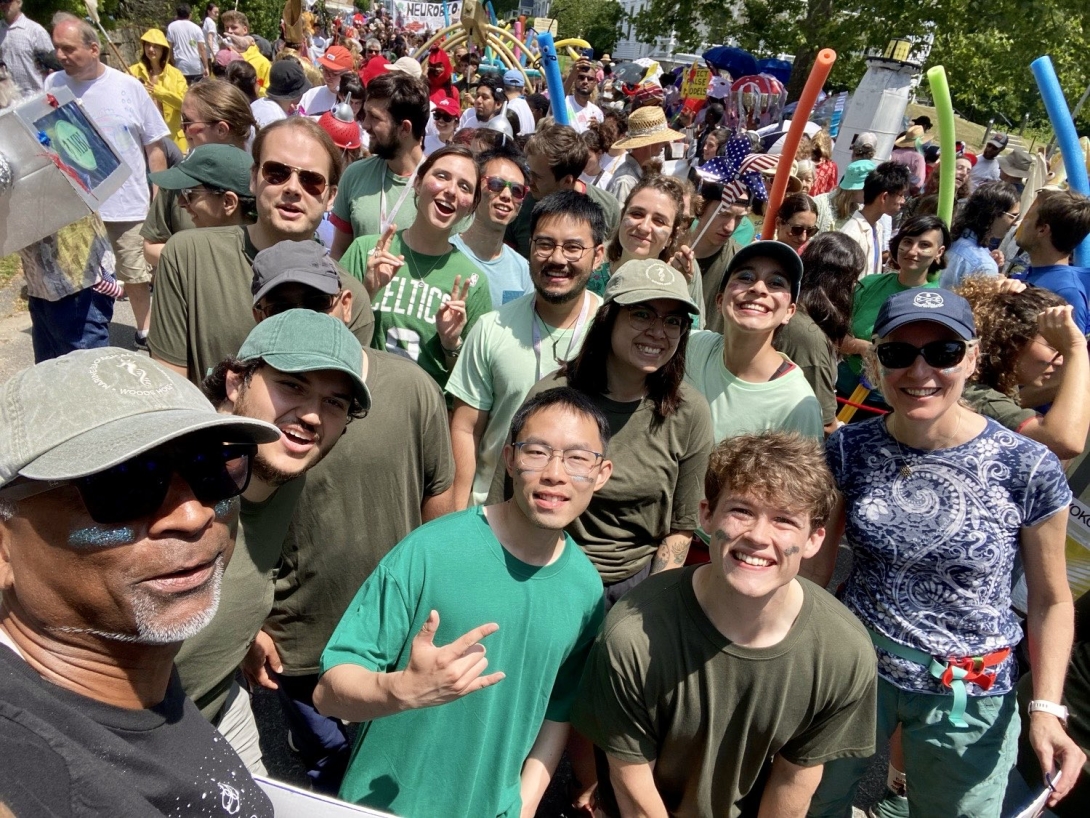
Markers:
point(508, 276)
point(966, 258)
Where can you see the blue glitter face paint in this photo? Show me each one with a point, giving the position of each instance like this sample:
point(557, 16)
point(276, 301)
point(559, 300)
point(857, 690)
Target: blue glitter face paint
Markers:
point(101, 536)
point(225, 507)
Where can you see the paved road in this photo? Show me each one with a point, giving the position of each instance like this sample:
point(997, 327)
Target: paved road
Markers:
point(16, 353)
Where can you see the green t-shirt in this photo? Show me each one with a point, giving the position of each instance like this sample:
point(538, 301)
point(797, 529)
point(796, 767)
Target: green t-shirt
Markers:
point(202, 310)
point(207, 661)
point(165, 218)
point(714, 267)
point(663, 684)
point(361, 500)
point(405, 309)
point(498, 366)
point(465, 757)
point(738, 407)
point(870, 294)
point(656, 486)
point(364, 186)
point(995, 405)
point(810, 349)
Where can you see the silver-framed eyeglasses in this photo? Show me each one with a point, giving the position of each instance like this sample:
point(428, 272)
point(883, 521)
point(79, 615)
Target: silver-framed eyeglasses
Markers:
point(531, 456)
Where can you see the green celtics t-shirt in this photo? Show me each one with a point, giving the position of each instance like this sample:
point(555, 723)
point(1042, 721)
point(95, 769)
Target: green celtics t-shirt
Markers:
point(405, 309)
point(870, 294)
point(365, 186)
point(207, 661)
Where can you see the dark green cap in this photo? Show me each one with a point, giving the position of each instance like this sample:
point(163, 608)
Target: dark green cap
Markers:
point(221, 166)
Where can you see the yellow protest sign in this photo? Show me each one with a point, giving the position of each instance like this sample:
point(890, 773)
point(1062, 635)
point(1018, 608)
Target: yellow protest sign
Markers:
point(695, 83)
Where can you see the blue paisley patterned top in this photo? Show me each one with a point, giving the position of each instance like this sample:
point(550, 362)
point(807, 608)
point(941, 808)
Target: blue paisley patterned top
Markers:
point(933, 552)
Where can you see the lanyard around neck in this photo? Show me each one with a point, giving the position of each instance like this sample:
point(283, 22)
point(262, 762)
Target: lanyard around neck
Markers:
point(385, 222)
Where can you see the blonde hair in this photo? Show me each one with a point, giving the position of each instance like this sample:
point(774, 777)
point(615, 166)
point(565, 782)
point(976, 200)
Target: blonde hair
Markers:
point(220, 101)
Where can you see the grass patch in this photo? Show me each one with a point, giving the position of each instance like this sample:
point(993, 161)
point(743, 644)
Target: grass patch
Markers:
point(9, 268)
point(968, 132)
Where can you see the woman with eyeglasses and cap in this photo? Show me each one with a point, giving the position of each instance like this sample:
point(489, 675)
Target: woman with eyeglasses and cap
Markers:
point(937, 504)
point(652, 223)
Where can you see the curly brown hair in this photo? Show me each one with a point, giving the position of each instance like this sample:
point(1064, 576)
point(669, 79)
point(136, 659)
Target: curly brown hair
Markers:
point(1005, 323)
point(672, 188)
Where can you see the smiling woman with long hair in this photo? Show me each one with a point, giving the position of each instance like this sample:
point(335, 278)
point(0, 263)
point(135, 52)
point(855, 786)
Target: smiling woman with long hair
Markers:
point(938, 504)
point(426, 293)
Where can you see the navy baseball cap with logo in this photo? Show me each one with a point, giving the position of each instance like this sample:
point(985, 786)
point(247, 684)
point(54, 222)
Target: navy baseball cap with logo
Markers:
point(926, 304)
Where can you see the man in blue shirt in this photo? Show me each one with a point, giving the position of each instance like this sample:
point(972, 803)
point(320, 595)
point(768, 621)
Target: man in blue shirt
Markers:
point(1055, 225)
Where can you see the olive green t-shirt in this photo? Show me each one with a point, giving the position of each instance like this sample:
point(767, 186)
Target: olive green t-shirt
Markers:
point(165, 218)
point(359, 502)
point(663, 684)
point(202, 310)
point(810, 350)
point(713, 268)
point(995, 405)
point(656, 486)
point(207, 661)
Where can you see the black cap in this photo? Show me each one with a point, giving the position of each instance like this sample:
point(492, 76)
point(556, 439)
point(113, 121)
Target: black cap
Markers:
point(923, 121)
point(286, 81)
point(305, 262)
point(782, 254)
point(926, 304)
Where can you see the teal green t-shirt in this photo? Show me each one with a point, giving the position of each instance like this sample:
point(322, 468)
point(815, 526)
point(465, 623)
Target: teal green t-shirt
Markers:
point(465, 757)
point(870, 294)
point(405, 309)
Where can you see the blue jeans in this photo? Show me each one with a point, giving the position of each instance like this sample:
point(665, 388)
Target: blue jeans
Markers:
point(77, 321)
point(322, 742)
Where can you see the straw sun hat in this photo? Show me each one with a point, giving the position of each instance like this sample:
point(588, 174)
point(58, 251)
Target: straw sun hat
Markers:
point(647, 126)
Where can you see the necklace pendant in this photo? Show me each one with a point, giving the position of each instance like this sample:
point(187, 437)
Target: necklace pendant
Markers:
point(905, 471)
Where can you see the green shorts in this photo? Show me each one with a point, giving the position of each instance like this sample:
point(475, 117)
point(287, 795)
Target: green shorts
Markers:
point(951, 771)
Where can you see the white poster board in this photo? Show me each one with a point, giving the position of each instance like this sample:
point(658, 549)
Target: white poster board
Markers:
point(294, 802)
point(418, 16)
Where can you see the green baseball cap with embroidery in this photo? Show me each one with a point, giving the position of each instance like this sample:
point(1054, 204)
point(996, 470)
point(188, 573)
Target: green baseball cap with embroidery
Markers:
point(220, 166)
point(308, 341)
point(645, 280)
point(93, 409)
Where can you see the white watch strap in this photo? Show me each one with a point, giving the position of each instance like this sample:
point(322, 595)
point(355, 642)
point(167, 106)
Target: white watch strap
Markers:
point(1042, 706)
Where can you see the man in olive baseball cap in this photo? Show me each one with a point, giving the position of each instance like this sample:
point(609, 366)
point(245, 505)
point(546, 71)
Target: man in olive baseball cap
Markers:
point(213, 184)
point(118, 482)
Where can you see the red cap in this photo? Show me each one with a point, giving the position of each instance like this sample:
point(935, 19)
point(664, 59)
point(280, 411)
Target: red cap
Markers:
point(448, 106)
point(375, 67)
point(337, 58)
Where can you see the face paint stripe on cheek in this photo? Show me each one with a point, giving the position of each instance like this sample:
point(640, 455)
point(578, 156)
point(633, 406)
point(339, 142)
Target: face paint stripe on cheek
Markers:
point(101, 536)
point(225, 507)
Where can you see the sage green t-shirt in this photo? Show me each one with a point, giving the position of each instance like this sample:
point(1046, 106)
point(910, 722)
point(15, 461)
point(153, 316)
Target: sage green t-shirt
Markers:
point(663, 684)
point(810, 349)
point(656, 486)
point(497, 367)
point(464, 758)
point(713, 268)
point(202, 309)
point(738, 407)
point(405, 309)
point(362, 499)
point(207, 661)
point(360, 195)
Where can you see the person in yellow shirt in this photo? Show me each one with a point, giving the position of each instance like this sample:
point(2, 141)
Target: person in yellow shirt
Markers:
point(236, 26)
point(165, 84)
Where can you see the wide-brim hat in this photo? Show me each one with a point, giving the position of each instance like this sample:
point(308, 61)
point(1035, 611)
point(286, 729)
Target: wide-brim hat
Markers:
point(856, 174)
point(93, 409)
point(908, 139)
point(1017, 163)
point(155, 37)
point(647, 126)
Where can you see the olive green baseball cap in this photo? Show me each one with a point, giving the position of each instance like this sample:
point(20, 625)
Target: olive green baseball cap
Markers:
point(93, 409)
point(645, 280)
point(220, 166)
point(307, 341)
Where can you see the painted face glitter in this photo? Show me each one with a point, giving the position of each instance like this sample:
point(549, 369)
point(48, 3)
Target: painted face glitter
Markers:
point(101, 536)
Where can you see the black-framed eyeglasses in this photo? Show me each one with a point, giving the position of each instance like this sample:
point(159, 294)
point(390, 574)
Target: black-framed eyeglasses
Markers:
point(937, 354)
point(277, 173)
point(642, 318)
point(214, 470)
point(185, 195)
point(496, 185)
point(531, 456)
point(319, 302)
point(572, 250)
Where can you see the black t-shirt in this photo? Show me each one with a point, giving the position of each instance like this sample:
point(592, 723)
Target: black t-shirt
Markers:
point(66, 755)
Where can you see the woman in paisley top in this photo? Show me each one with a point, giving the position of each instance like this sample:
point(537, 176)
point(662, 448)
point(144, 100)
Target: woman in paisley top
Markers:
point(937, 502)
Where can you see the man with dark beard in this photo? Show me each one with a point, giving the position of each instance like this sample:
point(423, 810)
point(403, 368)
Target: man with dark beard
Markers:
point(511, 349)
point(377, 192)
point(117, 512)
point(301, 371)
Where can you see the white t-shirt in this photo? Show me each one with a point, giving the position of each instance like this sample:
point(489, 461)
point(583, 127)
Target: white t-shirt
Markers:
point(520, 108)
point(582, 116)
point(266, 111)
point(125, 114)
point(317, 101)
point(184, 37)
point(211, 37)
point(497, 123)
point(985, 170)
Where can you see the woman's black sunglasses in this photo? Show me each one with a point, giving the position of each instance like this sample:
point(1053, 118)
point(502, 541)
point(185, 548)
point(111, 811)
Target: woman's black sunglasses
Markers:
point(937, 354)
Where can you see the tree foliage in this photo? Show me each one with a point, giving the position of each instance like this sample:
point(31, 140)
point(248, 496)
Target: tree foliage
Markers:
point(596, 21)
point(985, 45)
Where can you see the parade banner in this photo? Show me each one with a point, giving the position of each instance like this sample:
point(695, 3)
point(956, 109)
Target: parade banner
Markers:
point(416, 17)
point(695, 83)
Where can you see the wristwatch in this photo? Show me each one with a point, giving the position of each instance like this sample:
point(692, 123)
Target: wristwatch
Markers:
point(1053, 709)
